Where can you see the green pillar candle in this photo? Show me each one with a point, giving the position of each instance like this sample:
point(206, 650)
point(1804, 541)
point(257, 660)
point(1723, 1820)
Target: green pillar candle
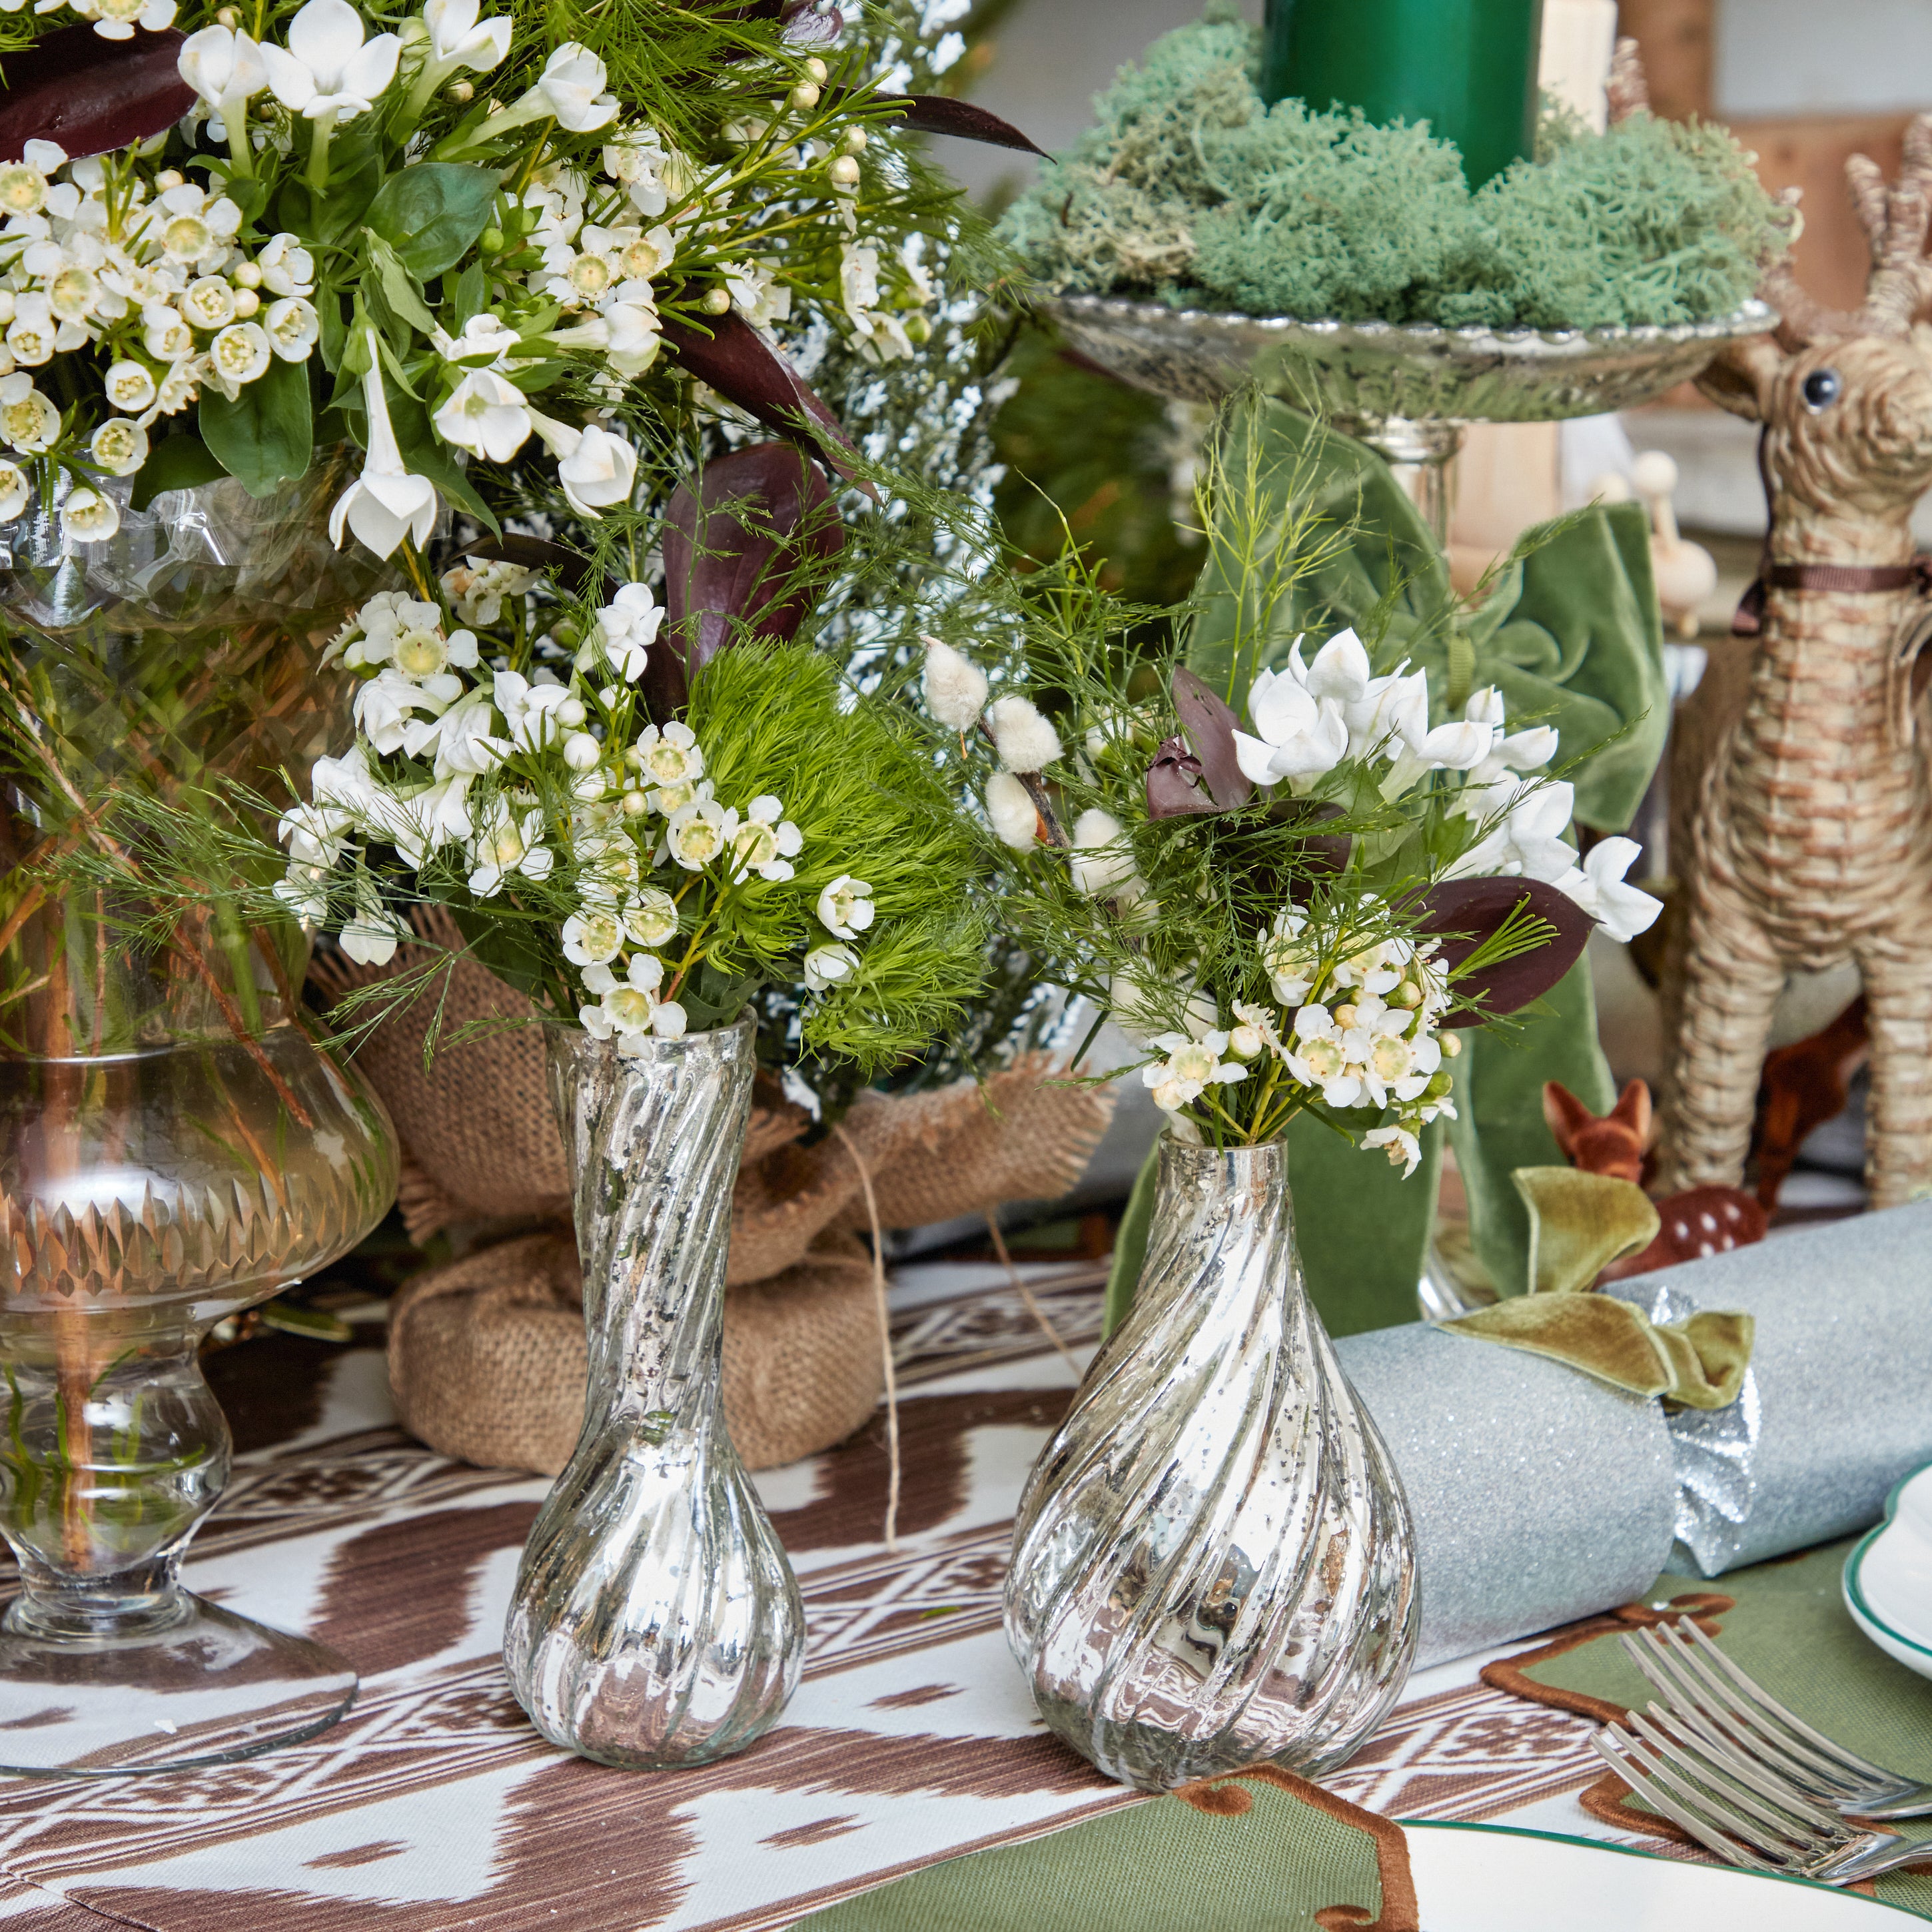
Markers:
point(1466, 67)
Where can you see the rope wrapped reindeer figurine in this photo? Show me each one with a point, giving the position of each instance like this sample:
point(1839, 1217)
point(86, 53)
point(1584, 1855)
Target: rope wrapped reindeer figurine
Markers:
point(1812, 841)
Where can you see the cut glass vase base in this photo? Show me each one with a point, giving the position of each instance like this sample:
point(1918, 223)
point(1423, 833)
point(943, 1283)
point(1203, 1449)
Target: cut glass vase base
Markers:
point(198, 1685)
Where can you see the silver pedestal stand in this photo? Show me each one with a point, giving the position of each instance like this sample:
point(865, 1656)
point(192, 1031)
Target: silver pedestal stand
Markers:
point(1408, 391)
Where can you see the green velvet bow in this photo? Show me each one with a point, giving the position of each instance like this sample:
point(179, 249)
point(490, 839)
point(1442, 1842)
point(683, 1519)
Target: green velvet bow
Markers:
point(1579, 1223)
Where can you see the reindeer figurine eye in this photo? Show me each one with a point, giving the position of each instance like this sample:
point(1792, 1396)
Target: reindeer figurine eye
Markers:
point(1820, 389)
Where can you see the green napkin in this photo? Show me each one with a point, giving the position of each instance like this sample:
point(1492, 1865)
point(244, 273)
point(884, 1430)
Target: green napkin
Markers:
point(1272, 1853)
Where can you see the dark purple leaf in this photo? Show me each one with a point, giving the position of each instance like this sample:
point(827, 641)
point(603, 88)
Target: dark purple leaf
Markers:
point(1171, 790)
point(570, 571)
point(732, 548)
point(745, 369)
point(1317, 854)
point(1462, 913)
point(939, 114)
point(90, 94)
point(1210, 727)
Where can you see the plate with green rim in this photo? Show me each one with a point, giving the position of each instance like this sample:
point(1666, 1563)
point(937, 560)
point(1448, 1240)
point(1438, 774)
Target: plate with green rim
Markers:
point(1500, 1878)
point(1887, 1579)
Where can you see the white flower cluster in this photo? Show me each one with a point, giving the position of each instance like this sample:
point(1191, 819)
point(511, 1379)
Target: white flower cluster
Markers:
point(1357, 1027)
point(153, 270)
point(456, 755)
point(1310, 717)
point(113, 19)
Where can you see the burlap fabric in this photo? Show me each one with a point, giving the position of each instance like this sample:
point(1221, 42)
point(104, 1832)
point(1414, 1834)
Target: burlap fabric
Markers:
point(487, 1355)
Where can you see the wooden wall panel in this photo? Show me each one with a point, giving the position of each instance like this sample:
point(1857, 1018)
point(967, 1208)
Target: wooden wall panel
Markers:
point(1676, 36)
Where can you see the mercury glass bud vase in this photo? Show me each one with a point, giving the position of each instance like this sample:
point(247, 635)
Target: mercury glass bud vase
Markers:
point(1214, 1564)
point(655, 1621)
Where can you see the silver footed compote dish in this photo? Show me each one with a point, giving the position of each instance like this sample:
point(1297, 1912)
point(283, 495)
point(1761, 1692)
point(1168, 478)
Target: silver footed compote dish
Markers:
point(1409, 390)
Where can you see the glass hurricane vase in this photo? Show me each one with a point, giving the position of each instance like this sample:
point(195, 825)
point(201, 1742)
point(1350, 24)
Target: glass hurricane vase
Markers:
point(173, 1146)
point(1214, 1564)
point(655, 1621)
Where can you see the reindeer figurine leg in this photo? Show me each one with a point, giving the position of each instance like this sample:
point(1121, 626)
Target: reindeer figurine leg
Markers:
point(1731, 981)
point(1897, 972)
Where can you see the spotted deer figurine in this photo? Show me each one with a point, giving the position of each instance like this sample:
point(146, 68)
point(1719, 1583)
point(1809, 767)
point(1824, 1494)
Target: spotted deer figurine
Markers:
point(1812, 841)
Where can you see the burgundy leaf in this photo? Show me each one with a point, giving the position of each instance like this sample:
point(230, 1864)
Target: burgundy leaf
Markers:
point(1210, 727)
point(939, 114)
point(1171, 787)
point(745, 369)
point(90, 94)
point(730, 547)
point(1464, 912)
point(1317, 854)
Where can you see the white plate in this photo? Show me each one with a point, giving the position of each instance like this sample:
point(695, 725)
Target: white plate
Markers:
point(1488, 1878)
point(1888, 1576)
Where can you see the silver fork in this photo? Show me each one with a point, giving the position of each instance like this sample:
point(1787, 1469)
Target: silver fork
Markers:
point(1761, 1827)
point(1701, 1686)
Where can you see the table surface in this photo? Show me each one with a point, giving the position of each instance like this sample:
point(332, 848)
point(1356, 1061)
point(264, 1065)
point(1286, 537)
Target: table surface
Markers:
point(433, 1806)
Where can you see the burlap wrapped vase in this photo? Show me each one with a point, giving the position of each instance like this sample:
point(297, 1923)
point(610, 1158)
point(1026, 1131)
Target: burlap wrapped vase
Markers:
point(487, 1355)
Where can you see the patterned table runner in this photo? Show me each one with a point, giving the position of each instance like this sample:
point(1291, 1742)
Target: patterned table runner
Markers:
point(432, 1806)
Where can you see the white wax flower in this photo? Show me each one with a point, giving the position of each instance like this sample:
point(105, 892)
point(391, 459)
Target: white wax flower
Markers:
point(486, 415)
point(240, 355)
point(293, 327)
point(1015, 821)
point(697, 833)
point(88, 517)
point(593, 937)
point(1290, 960)
point(829, 966)
point(116, 20)
point(845, 908)
point(327, 72)
point(1191, 1067)
point(1403, 1149)
point(165, 333)
point(119, 446)
point(669, 756)
point(506, 842)
point(15, 492)
point(1025, 741)
point(287, 267)
point(650, 916)
point(765, 841)
point(955, 687)
point(385, 503)
point(130, 386)
point(529, 709)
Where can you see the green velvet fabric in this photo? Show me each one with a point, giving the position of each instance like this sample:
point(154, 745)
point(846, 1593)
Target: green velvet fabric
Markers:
point(1579, 1223)
point(1571, 635)
point(1699, 1363)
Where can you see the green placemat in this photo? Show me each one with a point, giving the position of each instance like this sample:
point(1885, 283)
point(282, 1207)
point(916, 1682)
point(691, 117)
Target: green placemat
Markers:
point(1165, 1866)
point(1789, 1628)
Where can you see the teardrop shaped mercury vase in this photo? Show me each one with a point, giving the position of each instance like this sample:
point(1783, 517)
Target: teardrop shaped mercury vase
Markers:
point(1214, 1564)
point(655, 1620)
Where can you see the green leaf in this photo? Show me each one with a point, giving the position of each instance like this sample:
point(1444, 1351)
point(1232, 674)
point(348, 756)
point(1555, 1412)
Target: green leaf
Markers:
point(179, 462)
point(426, 455)
point(472, 294)
point(398, 290)
point(432, 214)
point(267, 435)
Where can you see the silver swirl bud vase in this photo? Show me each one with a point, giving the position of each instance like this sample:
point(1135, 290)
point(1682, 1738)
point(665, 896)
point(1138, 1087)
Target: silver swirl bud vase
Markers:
point(655, 1621)
point(1213, 1565)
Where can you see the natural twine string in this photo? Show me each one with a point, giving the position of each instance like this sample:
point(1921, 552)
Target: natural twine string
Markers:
point(1019, 1281)
point(885, 1342)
